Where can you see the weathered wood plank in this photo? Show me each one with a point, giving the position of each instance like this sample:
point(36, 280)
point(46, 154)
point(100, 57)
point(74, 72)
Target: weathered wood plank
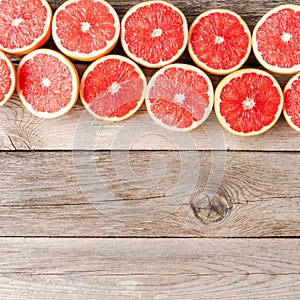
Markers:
point(78, 130)
point(144, 193)
point(149, 269)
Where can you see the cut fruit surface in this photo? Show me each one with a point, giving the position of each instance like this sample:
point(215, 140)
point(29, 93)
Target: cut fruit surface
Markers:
point(7, 78)
point(85, 29)
point(113, 88)
point(47, 83)
point(219, 41)
point(291, 108)
point(154, 33)
point(276, 39)
point(179, 97)
point(248, 102)
point(24, 25)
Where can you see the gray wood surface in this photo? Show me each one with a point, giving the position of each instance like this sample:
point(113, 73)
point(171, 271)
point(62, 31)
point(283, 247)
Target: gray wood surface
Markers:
point(149, 269)
point(103, 193)
point(131, 215)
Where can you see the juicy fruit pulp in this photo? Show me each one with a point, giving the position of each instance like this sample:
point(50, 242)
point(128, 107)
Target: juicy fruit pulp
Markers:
point(85, 29)
point(112, 88)
point(248, 102)
point(292, 102)
point(7, 78)
point(154, 33)
point(47, 83)
point(179, 97)
point(24, 25)
point(276, 39)
point(219, 41)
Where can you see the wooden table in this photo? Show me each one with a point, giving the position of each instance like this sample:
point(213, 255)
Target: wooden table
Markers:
point(91, 210)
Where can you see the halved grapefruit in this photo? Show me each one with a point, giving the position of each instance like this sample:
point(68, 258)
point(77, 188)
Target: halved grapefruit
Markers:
point(248, 102)
point(85, 29)
point(276, 39)
point(113, 88)
point(219, 41)
point(47, 83)
point(291, 109)
point(179, 97)
point(7, 78)
point(154, 33)
point(24, 25)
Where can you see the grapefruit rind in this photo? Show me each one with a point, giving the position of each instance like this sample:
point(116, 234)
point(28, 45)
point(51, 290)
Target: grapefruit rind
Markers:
point(90, 69)
point(217, 101)
point(272, 68)
point(96, 53)
point(204, 66)
point(41, 40)
point(12, 77)
point(75, 84)
point(140, 60)
point(195, 123)
point(285, 114)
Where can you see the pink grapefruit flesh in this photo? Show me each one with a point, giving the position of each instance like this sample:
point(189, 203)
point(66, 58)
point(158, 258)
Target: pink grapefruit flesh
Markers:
point(276, 39)
point(248, 102)
point(7, 78)
point(112, 88)
point(179, 97)
point(85, 29)
point(219, 41)
point(47, 83)
point(291, 109)
point(24, 25)
point(154, 33)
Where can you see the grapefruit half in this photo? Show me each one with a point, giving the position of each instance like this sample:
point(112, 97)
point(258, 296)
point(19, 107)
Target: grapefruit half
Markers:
point(154, 33)
point(219, 41)
point(291, 109)
point(24, 25)
point(179, 97)
point(7, 78)
point(85, 29)
point(248, 102)
point(113, 88)
point(276, 39)
point(47, 83)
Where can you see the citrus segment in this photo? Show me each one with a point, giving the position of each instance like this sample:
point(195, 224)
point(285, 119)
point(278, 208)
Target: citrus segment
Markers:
point(24, 25)
point(291, 108)
point(179, 97)
point(85, 29)
point(276, 39)
point(47, 83)
point(112, 88)
point(248, 102)
point(154, 33)
point(7, 78)
point(219, 41)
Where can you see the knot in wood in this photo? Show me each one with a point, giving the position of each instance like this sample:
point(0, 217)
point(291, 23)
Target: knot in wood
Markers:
point(210, 209)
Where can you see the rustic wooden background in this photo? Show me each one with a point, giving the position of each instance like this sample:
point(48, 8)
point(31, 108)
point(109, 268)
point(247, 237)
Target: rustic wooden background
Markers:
point(91, 210)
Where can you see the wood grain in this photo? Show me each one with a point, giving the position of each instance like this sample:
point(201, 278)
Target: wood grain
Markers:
point(78, 130)
point(148, 193)
point(149, 269)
